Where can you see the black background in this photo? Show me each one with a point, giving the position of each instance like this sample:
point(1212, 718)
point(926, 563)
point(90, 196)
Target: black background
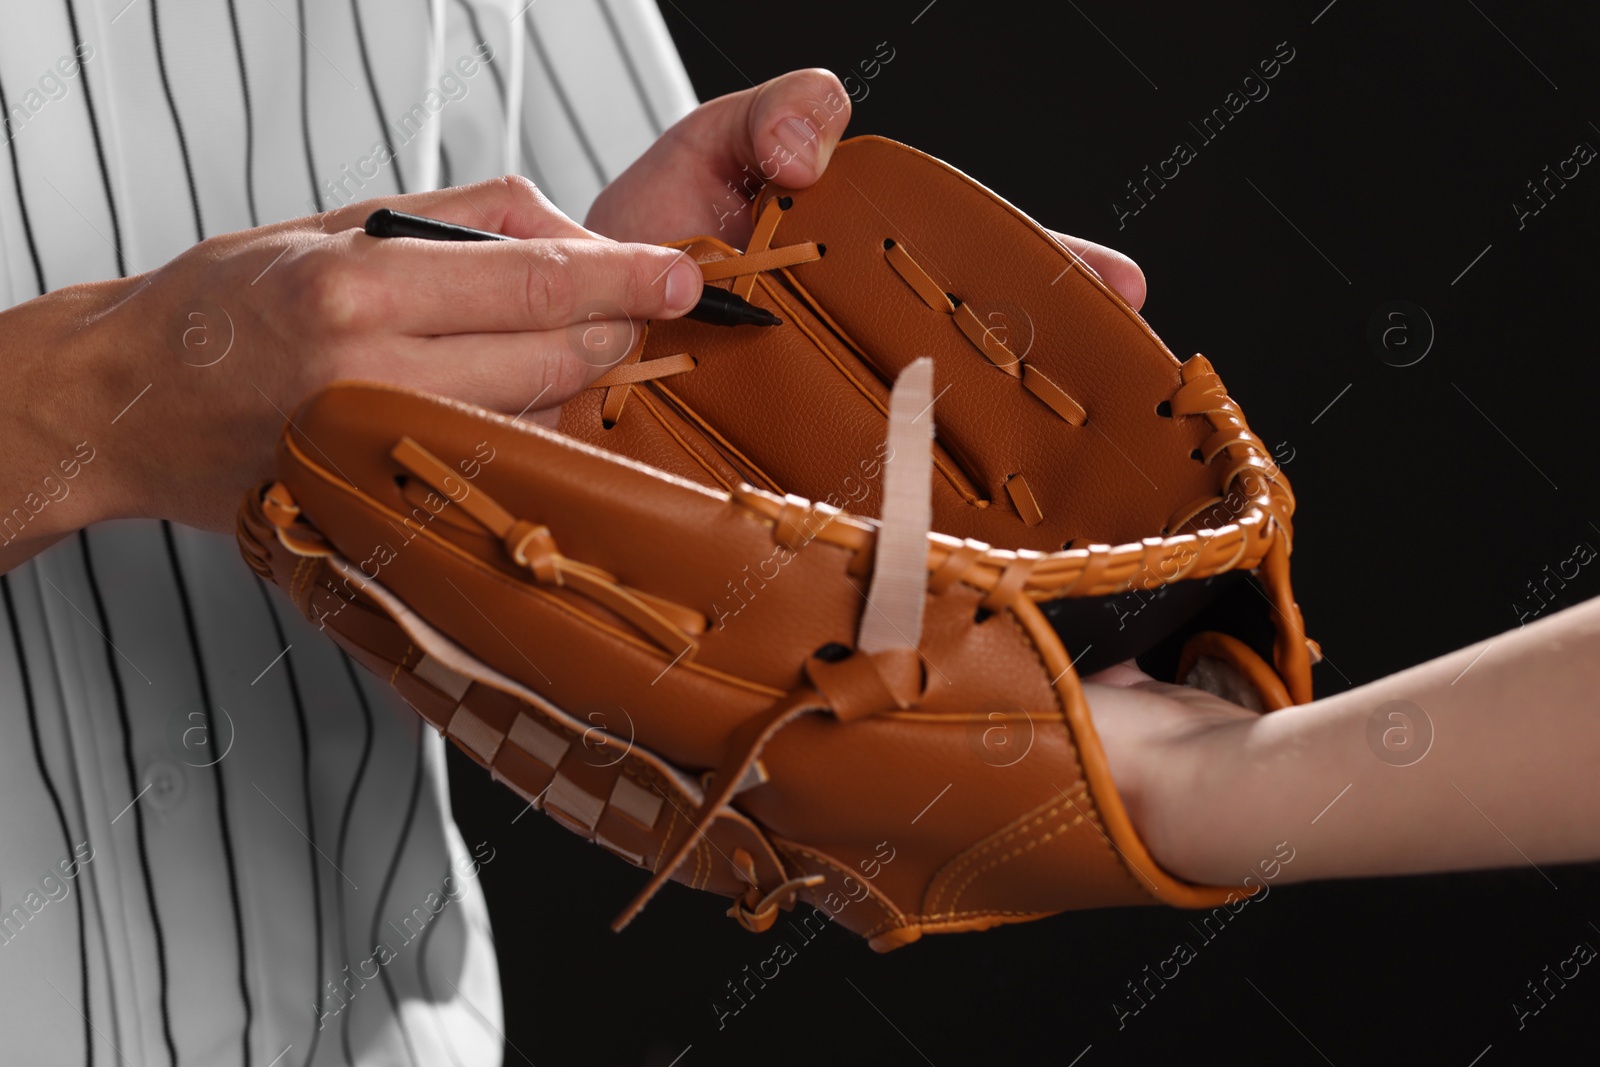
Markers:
point(1391, 150)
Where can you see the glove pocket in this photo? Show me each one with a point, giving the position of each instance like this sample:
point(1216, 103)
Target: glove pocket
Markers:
point(792, 409)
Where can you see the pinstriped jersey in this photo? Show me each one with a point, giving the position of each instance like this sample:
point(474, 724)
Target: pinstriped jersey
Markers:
point(220, 842)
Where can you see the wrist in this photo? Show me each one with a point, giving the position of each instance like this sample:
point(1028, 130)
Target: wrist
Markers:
point(1191, 813)
point(108, 360)
point(59, 427)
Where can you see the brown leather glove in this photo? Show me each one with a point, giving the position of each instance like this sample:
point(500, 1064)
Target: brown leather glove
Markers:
point(707, 625)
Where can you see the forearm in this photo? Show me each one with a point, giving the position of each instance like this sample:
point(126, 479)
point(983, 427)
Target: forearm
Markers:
point(56, 419)
point(1509, 777)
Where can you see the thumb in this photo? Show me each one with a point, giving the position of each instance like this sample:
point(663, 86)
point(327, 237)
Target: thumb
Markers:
point(796, 121)
point(782, 131)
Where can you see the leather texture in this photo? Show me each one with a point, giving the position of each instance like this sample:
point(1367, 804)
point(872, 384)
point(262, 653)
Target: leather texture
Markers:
point(646, 623)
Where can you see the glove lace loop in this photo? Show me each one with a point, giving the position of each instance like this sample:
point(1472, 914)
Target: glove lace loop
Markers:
point(1203, 393)
point(756, 913)
point(531, 545)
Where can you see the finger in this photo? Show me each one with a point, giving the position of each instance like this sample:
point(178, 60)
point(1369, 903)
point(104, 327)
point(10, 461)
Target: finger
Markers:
point(1117, 270)
point(514, 373)
point(795, 121)
point(512, 205)
point(784, 131)
point(432, 287)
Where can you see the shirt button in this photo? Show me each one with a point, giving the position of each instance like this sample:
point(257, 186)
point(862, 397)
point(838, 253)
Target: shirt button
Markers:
point(166, 785)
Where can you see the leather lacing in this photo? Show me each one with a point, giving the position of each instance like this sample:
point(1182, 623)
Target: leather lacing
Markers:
point(757, 911)
point(883, 673)
point(982, 337)
point(889, 677)
point(762, 257)
point(618, 382)
point(671, 626)
point(1203, 393)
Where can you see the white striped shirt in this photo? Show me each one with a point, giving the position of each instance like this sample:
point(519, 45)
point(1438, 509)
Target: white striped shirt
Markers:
point(221, 842)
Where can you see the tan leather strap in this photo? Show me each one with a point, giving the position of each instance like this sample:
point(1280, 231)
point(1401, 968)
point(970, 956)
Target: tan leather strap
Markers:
point(634, 373)
point(884, 672)
point(278, 505)
point(530, 545)
point(799, 521)
point(1250, 478)
point(1292, 651)
point(1055, 397)
point(1023, 500)
point(886, 682)
point(910, 270)
point(618, 382)
point(865, 683)
point(1088, 569)
point(760, 255)
point(957, 562)
point(756, 912)
point(892, 617)
point(747, 266)
point(986, 340)
point(1012, 580)
point(982, 337)
point(1242, 658)
point(1203, 394)
point(744, 748)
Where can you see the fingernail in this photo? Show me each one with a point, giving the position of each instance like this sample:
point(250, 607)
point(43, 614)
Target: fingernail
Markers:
point(801, 140)
point(683, 286)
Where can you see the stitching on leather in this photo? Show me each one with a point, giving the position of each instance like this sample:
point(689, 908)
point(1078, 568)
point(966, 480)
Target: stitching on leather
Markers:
point(930, 924)
point(872, 891)
point(300, 582)
point(1093, 810)
point(1024, 824)
point(892, 924)
point(1092, 816)
point(667, 837)
point(1014, 853)
point(1092, 813)
point(401, 662)
point(1077, 767)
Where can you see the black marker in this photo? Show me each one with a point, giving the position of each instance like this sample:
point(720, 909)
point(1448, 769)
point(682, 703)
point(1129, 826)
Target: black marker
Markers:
point(716, 306)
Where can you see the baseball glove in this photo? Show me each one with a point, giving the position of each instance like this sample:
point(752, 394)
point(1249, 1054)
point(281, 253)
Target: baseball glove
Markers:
point(770, 594)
